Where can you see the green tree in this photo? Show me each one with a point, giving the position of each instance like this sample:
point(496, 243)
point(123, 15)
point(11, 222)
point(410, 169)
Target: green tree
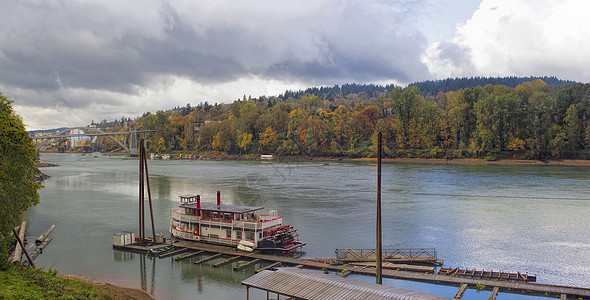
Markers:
point(573, 130)
point(18, 191)
point(404, 105)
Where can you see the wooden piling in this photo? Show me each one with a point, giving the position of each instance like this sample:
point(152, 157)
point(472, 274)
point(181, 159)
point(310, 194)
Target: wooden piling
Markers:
point(252, 262)
point(494, 293)
point(141, 195)
point(188, 255)
point(173, 252)
point(219, 264)
point(461, 291)
point(379, 257)
point(147, 181)
point(278, 263)
point(208, 258)
point(44, 235)
point(18, 250)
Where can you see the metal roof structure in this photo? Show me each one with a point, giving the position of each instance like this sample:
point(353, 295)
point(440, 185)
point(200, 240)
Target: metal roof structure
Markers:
point(225, 208)
point(307, 284)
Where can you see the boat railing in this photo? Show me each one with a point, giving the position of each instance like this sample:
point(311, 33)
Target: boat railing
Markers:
point(188, 218)
point(268, 220)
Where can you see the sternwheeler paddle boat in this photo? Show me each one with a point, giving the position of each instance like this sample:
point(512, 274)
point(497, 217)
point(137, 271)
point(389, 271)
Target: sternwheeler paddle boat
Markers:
point(232, 225)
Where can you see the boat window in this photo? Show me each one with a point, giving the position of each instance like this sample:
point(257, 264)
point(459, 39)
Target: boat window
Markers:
point(227, 217)
point(238, 217)
point(228, 234)
point(238, 235)
point(250, 236)
point(216, 216)
point(206, 214)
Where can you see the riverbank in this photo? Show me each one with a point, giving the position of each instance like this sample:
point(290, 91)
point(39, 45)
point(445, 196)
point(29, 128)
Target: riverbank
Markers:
point(439, 161)
point(29, 283)
point(478, 161)
point(214, 155)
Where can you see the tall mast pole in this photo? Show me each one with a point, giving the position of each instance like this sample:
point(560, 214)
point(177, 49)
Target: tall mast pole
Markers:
point(141, 195)
point(147, 180)
point(378, 256)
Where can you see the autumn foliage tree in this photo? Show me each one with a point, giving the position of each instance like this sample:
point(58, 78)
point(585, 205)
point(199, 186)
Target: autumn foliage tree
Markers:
point(531, 120)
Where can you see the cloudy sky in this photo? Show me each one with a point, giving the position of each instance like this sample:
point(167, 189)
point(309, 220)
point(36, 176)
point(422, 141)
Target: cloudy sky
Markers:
point(67, 62)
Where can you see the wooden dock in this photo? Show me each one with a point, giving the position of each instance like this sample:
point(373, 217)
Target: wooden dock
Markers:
point(488, 274)
point(143, 249)
point(501, 286)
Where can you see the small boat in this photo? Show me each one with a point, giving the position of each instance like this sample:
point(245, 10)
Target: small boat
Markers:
point(232, 225)
point(161, 250)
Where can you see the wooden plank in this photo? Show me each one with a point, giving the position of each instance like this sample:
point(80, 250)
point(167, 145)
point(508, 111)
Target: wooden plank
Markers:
point(208, 258)
point(276, 264)
point(255, 261)
point(44, 235)
point(39, 248)
point(188, 255)
point(174, 252)
point(219, 264)
point(18, 251)
point(461, 291)
point(388, 265)
point(494, 293)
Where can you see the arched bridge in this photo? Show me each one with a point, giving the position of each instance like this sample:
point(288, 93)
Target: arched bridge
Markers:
point(90, 131)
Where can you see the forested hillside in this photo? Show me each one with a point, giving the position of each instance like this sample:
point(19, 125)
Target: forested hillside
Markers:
point(433, 87)
point(532, 121)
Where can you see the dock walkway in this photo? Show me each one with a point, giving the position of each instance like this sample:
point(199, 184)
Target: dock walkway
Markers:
point(490, 284)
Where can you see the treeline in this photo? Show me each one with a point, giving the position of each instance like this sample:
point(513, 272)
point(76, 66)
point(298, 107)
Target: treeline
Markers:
point(531, 121)
point(433, 87)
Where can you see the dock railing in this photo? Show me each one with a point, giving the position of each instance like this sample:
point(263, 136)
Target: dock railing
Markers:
point(401, 254)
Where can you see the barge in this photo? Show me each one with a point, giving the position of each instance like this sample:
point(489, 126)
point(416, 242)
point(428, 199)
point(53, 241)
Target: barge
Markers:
point(242, 227)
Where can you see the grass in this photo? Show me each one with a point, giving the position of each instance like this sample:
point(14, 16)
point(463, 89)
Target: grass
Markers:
point(27, 283)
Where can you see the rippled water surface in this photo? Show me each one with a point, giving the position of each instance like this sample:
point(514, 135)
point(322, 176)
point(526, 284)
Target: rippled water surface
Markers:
point(514, 218)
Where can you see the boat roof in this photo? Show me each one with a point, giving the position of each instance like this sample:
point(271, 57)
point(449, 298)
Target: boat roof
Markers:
point(226, 208)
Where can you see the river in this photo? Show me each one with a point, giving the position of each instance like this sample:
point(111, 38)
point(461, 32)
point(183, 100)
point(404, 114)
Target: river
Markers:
point(513, 218)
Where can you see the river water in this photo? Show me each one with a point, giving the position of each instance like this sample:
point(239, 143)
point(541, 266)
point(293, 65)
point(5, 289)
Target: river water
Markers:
point(513, 218)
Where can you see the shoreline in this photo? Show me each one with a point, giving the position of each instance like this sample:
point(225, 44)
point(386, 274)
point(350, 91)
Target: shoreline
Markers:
point(480, 161)
point(439, 161)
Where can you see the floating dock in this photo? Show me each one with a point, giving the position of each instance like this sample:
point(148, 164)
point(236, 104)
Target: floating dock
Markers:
point(517, 276)
point(213, 252)
point(490, 284)
point(400, 255)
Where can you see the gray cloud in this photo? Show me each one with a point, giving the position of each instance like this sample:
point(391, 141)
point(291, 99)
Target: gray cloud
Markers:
point(85, 45)
point(114, 57)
